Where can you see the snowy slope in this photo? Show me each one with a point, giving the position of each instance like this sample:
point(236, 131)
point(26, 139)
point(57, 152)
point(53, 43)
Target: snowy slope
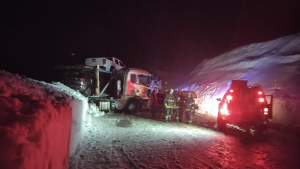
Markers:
point(40, 123)
point(274, 64)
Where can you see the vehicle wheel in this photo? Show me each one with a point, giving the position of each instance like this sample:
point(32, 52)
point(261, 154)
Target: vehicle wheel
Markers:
point(88, 91)
point(221, 123)
point(132, 106)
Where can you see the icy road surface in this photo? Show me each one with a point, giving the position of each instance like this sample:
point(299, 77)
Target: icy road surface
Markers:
point(118, 140)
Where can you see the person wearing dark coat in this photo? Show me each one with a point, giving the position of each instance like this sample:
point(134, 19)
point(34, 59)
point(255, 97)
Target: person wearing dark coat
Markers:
point(181, 106)
point(189, 110)
point(153, 103)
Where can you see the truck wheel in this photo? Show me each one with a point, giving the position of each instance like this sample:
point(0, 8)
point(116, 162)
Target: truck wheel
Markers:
point(221, 123)
point(88, 91)
point(132, 106)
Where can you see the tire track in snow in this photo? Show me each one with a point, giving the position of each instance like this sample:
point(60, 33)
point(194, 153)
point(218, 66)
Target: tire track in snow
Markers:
point(203, 160)
point(125, 157)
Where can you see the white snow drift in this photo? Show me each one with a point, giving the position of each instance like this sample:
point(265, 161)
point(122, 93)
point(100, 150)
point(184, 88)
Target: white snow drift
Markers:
point(40, 123)
point(274, 64)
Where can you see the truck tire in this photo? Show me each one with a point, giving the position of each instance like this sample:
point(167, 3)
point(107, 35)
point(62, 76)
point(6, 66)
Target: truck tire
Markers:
point(221, 123)
point(132, 106)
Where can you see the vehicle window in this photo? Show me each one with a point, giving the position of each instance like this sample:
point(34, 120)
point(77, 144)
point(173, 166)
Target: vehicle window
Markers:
point(143, 80)
point(90, 75)
point(74, 74)
point(193, 94)
point(240, 96)
point(104, 61)
point(117, 61)
point(122, 64)
point(133, 78)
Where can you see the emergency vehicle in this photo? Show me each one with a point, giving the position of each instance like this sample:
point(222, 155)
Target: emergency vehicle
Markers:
point(245, 106)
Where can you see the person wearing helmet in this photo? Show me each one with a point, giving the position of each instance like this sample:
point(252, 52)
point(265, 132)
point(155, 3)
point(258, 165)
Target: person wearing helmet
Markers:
point(170, 103)
point(189, 110)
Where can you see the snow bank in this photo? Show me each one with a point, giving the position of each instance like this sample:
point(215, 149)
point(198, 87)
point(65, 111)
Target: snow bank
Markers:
point(274, 64)
point(38, 122)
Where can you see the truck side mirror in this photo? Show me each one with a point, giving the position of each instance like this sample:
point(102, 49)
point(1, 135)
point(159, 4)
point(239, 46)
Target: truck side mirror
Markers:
point(219, 99)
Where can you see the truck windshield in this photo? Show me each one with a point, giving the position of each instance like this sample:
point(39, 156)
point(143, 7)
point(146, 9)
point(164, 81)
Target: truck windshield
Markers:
point(143, 80)
point(139, 79)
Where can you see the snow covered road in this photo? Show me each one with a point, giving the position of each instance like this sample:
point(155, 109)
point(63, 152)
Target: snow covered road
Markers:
point(118, 140)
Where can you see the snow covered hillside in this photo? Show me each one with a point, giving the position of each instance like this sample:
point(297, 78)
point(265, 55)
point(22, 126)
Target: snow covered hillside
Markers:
point(274, 64)
point(40, 123)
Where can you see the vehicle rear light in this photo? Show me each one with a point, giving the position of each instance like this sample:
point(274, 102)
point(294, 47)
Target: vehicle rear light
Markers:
point(82, 79)
point(231, 91)
point(261, 100)
point(259, 92)
point(224, 110)
point(229, 97)
point(266, 111)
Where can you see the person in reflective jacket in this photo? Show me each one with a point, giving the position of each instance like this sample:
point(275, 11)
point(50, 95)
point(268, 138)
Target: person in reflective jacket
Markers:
point(170, 104)
point(190, 105)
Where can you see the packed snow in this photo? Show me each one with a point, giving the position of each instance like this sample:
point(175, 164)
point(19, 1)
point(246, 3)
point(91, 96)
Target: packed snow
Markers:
point(41, 124)
point(274, 64)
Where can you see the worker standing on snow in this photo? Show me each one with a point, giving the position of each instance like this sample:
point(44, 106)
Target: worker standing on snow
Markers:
point(160, 107)
point(190, 104)
point(170, 104)
point(153, 103)
point(181, 104)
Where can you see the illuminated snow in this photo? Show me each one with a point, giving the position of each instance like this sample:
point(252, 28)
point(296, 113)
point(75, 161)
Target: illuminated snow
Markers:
point(273, 64)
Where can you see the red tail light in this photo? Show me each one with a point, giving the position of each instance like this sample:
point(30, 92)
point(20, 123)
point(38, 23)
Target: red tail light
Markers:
point(224, 110)
point(229, 97)
point(261, 100)
point(82, 79)
point(266, 111)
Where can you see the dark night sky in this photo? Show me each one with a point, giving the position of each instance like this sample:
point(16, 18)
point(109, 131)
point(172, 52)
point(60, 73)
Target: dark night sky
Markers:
point(168, 35)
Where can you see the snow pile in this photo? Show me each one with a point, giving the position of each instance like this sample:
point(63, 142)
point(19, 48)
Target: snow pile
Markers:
point(93, 111)
point(274, 64)
point(36, 120)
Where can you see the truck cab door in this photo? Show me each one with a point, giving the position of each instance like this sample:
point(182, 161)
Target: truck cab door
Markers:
point(270, 105)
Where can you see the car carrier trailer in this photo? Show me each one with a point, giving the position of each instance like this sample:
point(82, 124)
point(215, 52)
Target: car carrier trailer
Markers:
point(126, 89)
